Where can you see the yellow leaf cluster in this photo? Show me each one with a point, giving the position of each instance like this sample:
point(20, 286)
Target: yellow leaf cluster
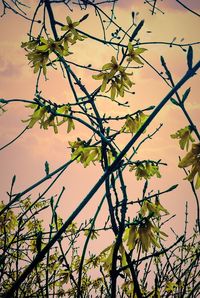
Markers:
point(8, 221)
point(133, 124)
point(106, 257)
point(46, 120)
point(134, 53)
point(94, 234)
point(72, 32)
point(64, 275)
point(143, 235)
point(87, 154)
point(72, 228)
point(93, 261)
point(39, 49)
point(145, 170)
point(184, 136)
point(128, 288)
point(153, 208)
point(192, 159)
point(35, 225)
point(170, 286)
point(97, 283)
point(115, 74)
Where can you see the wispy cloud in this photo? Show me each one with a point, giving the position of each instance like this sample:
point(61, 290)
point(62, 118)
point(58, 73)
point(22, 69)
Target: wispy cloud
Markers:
point(9, 69)
point(171, 4)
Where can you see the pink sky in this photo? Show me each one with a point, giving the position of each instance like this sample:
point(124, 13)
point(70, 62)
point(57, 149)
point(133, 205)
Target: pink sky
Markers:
point(27, 156)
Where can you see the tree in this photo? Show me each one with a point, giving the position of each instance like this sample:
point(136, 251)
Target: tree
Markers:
point(43, 259)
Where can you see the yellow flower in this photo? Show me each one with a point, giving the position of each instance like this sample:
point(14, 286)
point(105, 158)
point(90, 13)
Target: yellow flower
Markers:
point(133, 124)
point(94, 234)
point(134, 53)
point(113, 66)
point(192, 158)
point(50, 45)
point(128, 289)
point(155, 209)
point(59, 222)
point(160, 207)
point(46, 120)
point(120, 82)
point(38, 114)
point(8, 221)
point(145, 170)
point(39, 50)
point(93, 261)
point(71, 125)
point(66, 40)
point(50, 121)
point(102, 76)
point(146, 235)
point(107, 257)
point(184, 134)
point(30, 45)
point(70, 26)
point(170, 287)
point(114, 89)
point(76, 263)
point(131, 236)
point(124, 78)
point(87, 154)
point(72, 228)
point(65, 110)
point(38, 59)
point(119, 85)
point(64, 275)
point(97, 283)
point(76, 144)
point(110, 156)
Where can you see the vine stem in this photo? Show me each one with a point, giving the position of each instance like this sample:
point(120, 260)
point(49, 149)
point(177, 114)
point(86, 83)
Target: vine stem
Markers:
point(12, 141)
point(21, 194)
point(115, 165)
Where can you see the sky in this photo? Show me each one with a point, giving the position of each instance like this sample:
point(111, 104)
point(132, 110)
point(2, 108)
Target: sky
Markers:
point(26, 157)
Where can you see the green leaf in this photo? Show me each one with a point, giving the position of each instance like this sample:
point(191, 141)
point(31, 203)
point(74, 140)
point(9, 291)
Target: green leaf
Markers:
point(137, 29)
point(3, 100)
point(108, 131)
point(13, 180)
point(172, 187)
point(84, 17)
point(150, 108)
point(190, 57)
point(46, 168)
point(162, 61)
point(174, 101)
point(168, 73)
point(185, 95)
